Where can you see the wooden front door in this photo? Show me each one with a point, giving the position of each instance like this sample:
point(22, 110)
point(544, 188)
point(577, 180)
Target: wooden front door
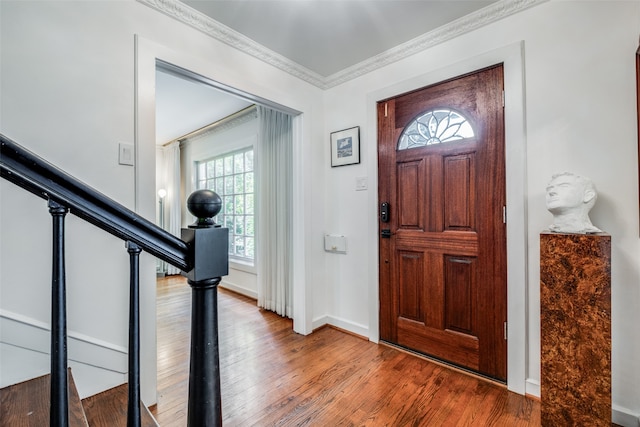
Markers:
point(442, 239)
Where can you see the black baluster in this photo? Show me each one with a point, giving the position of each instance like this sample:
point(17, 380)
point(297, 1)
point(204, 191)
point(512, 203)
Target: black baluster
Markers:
point(59, 411)
point(133, 412)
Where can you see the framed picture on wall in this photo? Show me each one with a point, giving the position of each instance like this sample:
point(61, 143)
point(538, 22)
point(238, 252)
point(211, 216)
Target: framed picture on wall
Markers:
point(345, 147)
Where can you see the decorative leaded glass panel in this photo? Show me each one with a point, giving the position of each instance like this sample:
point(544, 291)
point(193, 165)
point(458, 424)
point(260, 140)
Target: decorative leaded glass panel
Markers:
point(435, 127)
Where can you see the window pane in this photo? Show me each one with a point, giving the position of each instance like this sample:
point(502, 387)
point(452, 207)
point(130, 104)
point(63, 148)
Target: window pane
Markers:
point(239, 244)
point(210, 169)
point(228, 205)
point(248, 161)
point(248, 182)
point(435, 127)
point(219, 167)
point(238, 163)
point(211, 184)
point(202, 171)
point(228, 165)
point(239, 202)
point(239, 225)
point(228, 185)
point(249, 230)
point(238, 184)
point(249, 249)
point(228, 223)
point(219, 186)
point(248, 204)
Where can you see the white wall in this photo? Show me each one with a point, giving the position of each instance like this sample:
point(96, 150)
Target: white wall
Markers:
point(77, 78)
point(580, 117)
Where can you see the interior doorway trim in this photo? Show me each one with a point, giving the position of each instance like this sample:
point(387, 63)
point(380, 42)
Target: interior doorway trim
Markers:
point(512, 56)
point(147, 53)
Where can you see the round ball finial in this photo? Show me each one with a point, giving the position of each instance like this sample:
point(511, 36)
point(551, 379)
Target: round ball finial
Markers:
point(204, 205)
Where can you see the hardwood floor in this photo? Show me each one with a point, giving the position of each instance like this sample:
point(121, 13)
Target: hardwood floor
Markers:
point(274, 377)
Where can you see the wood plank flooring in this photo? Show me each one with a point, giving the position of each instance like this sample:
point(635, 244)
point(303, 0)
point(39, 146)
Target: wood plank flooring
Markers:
point(27, 404)
point(274, 377)
point(109, 409)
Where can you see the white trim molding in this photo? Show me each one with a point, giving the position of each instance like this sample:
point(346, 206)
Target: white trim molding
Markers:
point(97, 365)
point(340, 323)
point(532, 387)
point(624, 417)
point(201, 22)
point(34, 335)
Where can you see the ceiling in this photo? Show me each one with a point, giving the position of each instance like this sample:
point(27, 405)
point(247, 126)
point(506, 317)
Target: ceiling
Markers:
point(184, 105)
point(322, 41)
point(327, 36)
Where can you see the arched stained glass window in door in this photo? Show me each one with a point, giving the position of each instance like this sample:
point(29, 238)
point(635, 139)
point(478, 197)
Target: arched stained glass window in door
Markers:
point(435, 127)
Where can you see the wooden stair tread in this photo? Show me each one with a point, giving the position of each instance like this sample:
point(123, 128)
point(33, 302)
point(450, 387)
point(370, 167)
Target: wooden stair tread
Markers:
point(109, 409)
point(27, 403)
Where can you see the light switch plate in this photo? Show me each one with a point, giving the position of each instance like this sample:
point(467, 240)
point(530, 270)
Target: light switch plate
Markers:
point(125, 154)
point(361, 183)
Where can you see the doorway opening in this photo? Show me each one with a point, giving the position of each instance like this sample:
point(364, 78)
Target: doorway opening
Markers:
point(207, 137)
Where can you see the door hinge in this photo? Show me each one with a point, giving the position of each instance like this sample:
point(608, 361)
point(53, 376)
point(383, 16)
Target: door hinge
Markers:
point(385, 110)
point(504, 214)
point(503, 97)
point(505, 331)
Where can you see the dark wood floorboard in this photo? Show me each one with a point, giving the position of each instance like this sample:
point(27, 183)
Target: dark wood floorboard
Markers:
point(273, 377)
point(27, 404)
point(109, 409)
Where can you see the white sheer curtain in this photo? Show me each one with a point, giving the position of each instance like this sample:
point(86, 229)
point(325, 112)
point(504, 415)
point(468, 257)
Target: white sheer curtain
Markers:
point(171, 178)
point(274, 162)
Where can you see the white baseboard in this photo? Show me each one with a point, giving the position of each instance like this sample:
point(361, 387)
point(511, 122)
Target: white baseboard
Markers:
point(624, 417)
point(25, 347)
point(347, 325)
point(532, 387)
point(239, 289)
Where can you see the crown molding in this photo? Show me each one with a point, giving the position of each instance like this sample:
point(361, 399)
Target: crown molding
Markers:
point(201, 22)
point(485, 16)
point(195, 19)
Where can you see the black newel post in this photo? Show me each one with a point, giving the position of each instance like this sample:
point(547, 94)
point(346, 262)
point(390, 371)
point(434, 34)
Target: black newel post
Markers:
point(59, 413)
point(209, 244)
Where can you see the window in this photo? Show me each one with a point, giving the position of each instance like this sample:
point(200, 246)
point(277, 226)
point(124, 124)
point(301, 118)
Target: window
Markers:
point(232, 175)
point(435, 127)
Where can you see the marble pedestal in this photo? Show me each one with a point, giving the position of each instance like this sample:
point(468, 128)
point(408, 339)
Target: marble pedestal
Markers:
point(575, 323)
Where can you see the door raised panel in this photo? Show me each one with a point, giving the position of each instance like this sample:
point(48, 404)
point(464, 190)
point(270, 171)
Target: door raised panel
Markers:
point(459, 294)
point(411, 276)
point(409, 178)
point(459, 192)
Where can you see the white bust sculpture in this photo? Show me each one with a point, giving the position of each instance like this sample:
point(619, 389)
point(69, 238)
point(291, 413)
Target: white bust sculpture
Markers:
point(570, 198)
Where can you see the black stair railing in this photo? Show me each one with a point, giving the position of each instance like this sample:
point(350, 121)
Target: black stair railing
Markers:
point(201, 254)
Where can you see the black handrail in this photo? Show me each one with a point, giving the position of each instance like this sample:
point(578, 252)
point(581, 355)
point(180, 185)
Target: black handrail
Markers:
point(201, 254)
point(41, 178)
